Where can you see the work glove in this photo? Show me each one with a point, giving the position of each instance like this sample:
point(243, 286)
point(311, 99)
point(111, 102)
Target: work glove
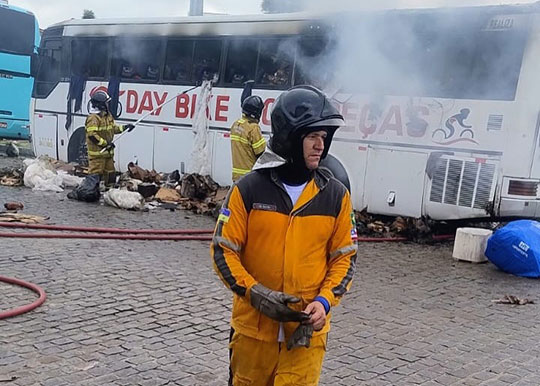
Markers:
point(274, 304)
point(129, 127)
point(301, 336)
point(110, 146)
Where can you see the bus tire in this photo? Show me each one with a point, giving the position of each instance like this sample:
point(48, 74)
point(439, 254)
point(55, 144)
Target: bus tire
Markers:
point(337, 169)
point(77, 150)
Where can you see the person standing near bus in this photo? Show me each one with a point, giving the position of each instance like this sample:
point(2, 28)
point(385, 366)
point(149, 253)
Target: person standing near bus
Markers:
point(100, 130)
point(247, 142)
point(284, 243)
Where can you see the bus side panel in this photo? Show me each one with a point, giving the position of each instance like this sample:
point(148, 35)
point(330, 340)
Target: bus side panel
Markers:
point(136, 147)
point(45, 139)
point(395, 182)
point(173, 148)
point(354, 158)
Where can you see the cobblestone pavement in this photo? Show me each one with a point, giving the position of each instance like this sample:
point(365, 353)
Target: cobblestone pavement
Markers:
point(154, 313)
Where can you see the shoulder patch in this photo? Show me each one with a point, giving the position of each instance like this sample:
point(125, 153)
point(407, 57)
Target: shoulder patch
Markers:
point(224, 215)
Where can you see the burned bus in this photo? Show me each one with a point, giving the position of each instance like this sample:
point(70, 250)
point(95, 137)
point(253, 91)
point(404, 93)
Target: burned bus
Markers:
point(440, 104)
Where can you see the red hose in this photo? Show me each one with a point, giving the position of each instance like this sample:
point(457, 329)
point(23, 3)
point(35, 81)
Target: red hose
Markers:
point(102, 236)
point(105, 230)
point(27, 307)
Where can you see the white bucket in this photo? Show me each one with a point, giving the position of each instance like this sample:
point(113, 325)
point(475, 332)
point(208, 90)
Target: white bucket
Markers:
point(470, 244)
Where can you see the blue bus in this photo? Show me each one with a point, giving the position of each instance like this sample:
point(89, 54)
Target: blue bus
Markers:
point(19, 39)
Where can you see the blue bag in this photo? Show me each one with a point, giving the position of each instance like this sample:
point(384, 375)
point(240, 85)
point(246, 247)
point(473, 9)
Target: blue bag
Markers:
point(515, 248)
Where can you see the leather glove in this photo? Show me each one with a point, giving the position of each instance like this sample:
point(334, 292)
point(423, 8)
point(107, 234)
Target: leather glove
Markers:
point(129, 127)
point(301, 336)
point(274, 304)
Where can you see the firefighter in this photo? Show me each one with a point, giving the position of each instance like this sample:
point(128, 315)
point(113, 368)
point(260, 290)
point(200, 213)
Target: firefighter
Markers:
point(285, 244)
point(247, 142)
point(100, 130)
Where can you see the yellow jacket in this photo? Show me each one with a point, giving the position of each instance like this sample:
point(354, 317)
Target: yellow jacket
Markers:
point(100, 131)
point(306, 250)
point(247, 143)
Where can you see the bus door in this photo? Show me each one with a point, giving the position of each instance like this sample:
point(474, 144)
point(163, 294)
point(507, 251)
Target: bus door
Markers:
point(175, 145)
point(137, 147)
point(45, 139)
point(395, 182)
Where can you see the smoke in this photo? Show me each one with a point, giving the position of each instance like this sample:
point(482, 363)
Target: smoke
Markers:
point(472, 53)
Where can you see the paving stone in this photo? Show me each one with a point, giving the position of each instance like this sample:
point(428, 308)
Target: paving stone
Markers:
point(155, 313)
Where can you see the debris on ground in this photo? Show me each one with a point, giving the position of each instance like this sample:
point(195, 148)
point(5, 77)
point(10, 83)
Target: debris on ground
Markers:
point(12, 150)
point(41, 175)
point(510, 299)
point(135, 171)
point(147, 189)
point(196, 186)
point(87, 190)
point(414, 229)
point(14, 205)
point(11, 177)
point(123, 199)
point(24, 218)
point(168, 195)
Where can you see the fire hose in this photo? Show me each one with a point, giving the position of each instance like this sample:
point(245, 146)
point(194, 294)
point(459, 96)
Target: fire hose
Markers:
point(144, 234)
point(27, 307)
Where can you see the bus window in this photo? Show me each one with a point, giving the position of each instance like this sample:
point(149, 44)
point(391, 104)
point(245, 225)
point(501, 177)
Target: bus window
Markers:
point(241, 61)
point(206, 59)
point(89, 58)
point(275, 63)
point(49, 67)
point(313, 61)
point(137, 59)
point(178, 61)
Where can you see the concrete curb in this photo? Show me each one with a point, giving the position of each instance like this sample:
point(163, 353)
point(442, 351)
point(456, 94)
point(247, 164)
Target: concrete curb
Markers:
point(23, 152)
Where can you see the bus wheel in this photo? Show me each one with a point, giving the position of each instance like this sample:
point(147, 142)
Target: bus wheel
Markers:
point(77, 150)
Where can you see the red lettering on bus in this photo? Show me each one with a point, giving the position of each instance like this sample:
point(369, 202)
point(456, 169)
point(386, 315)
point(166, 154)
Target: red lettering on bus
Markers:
point(222, 107)
point(146, 102)
point(132, 100)
point(266, 111)
point(392, 121)
point(367, 130)
point(160, 101)
point(350, 111)
point(182, 106)
point(193, 104)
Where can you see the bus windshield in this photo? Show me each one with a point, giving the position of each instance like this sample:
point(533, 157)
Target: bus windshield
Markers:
point(17, 30)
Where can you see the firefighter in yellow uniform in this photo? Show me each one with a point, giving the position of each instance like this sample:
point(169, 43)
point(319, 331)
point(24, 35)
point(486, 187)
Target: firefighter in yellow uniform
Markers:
point(247, 142)
point(100, 130)
point(285, 244)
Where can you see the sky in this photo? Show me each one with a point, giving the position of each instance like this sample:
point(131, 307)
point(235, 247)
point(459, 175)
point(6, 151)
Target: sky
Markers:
point(52, 11)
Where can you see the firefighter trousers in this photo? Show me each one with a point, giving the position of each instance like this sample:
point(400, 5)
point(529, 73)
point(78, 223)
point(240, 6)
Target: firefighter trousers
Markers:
point(104, 166)
point(257, 363)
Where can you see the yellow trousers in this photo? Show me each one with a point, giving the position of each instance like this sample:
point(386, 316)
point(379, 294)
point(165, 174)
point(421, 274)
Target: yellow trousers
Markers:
point(104, 166)
point(258, 363)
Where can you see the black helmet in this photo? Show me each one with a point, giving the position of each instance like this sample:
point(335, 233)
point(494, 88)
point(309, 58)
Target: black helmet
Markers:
point(299, 111)
point(253, 106)
point(100, 99)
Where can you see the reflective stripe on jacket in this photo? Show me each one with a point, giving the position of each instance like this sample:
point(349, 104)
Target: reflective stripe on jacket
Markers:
point(247, 143)
point(102, 128)
point(306, 250)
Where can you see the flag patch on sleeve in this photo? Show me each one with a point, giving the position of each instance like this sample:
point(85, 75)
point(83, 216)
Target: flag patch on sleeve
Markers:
point(224, 215)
